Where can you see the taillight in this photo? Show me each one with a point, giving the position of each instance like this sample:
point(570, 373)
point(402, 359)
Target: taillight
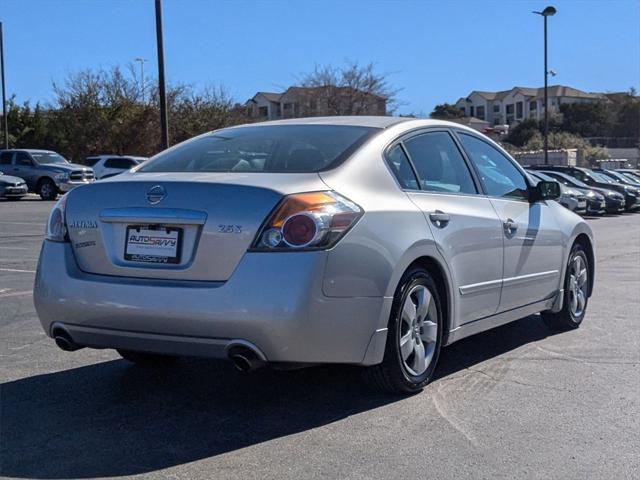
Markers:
point(57, 224)
point(307, 221)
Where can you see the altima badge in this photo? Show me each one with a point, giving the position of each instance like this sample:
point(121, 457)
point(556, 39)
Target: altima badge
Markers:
point(156, 194)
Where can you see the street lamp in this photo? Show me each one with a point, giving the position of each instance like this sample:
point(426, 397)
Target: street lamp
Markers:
point(141, 60)
point(547, 12)
point(5, 120)
point(164, 125)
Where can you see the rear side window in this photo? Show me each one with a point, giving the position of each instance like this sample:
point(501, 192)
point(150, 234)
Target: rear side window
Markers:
point(401, 168)
point(23, 158)
point(122, 163)
point(274, 148)
point(499, 175)
point(439, 164)
point(5, 158)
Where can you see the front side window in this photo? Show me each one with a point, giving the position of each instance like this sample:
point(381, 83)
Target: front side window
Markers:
point(401, 167)
point(439, 164)
point(281, 148)
point(499, 175)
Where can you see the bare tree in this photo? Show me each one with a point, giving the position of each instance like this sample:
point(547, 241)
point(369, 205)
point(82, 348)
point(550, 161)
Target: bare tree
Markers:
point(351, 89)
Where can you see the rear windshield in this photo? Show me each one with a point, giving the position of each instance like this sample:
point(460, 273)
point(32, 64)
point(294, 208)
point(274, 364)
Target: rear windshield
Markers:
point(275, 148)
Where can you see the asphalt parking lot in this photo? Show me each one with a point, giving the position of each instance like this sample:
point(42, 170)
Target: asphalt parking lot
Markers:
point(514, 402)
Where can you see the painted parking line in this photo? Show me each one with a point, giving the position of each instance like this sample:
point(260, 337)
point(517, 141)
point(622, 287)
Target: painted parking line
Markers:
point(22, 223)
point(20, 235)
point(15, 294)
point(16, 270)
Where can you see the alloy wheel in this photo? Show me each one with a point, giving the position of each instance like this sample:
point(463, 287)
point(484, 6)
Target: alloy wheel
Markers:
point(577, 286)
point(418, 330)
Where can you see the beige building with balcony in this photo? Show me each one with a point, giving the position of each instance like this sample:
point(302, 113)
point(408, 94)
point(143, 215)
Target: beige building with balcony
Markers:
point(510, 107)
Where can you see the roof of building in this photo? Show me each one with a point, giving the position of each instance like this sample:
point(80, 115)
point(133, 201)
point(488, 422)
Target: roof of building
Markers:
point(553, 91)
point(277, 97)
point(270, 96)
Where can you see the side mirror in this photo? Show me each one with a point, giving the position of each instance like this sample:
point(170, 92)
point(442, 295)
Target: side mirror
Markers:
point(546, 191)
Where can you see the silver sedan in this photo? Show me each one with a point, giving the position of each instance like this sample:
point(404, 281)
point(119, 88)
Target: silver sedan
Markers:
point(373, 241)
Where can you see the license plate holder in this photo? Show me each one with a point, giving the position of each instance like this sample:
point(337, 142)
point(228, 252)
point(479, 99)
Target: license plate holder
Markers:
point(157, 244)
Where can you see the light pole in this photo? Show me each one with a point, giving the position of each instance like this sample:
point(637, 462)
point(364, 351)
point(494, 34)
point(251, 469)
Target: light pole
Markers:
point(164, 126)
point(141, 60)
point(547, 12)
point(4, 100)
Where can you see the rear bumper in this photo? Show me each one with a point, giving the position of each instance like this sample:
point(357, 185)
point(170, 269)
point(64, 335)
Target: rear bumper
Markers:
point(273, 301)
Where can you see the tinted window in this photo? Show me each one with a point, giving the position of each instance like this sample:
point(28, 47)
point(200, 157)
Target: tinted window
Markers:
point(23, 158)
point(499, 175)
point(91, 161)
point(5, 158)
point(568, 180)
point(123, 163)
point(277, 148)
point(402, 168)
point(439, 164)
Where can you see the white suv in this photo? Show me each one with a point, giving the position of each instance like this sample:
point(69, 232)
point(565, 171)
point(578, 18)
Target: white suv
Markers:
point(109, 165)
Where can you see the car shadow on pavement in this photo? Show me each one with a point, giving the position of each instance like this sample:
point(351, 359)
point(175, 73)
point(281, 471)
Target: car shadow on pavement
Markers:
point(115, 419)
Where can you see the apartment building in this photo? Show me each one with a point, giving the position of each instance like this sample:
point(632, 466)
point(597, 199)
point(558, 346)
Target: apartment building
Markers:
point(510, 107)
point(298, 102)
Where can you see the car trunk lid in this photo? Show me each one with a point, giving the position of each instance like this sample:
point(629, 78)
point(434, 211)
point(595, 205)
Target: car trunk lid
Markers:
point(175, 226)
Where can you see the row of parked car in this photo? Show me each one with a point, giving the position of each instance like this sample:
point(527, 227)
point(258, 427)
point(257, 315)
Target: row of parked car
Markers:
point(48, 173)
point(593, 191)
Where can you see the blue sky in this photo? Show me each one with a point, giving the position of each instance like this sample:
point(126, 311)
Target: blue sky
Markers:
point(435, 51)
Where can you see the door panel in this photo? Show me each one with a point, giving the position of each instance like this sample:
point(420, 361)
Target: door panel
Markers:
point(471, 243)
point(463, 222)
point(532, 252)
point(532, 239)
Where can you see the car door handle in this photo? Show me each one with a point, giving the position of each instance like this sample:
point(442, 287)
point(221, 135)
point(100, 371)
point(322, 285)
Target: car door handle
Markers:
point(510, 227)
point(439, 219)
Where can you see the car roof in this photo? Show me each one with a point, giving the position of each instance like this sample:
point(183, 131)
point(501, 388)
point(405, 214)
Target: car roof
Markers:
point(355, 120)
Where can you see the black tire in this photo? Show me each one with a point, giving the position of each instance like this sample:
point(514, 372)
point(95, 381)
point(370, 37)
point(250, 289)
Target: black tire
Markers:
point(567, 319)
point(392, 375)
point(47, 189)
point(146, 358)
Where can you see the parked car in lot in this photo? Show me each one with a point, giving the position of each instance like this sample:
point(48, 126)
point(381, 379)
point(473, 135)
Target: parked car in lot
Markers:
point(595, 179)
point(614, 201)
point(45, 172)
point(105, 166)
point(632, 173)
point(618, 177)
point(12, 188)
point(574, 200)
point(371, 241)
